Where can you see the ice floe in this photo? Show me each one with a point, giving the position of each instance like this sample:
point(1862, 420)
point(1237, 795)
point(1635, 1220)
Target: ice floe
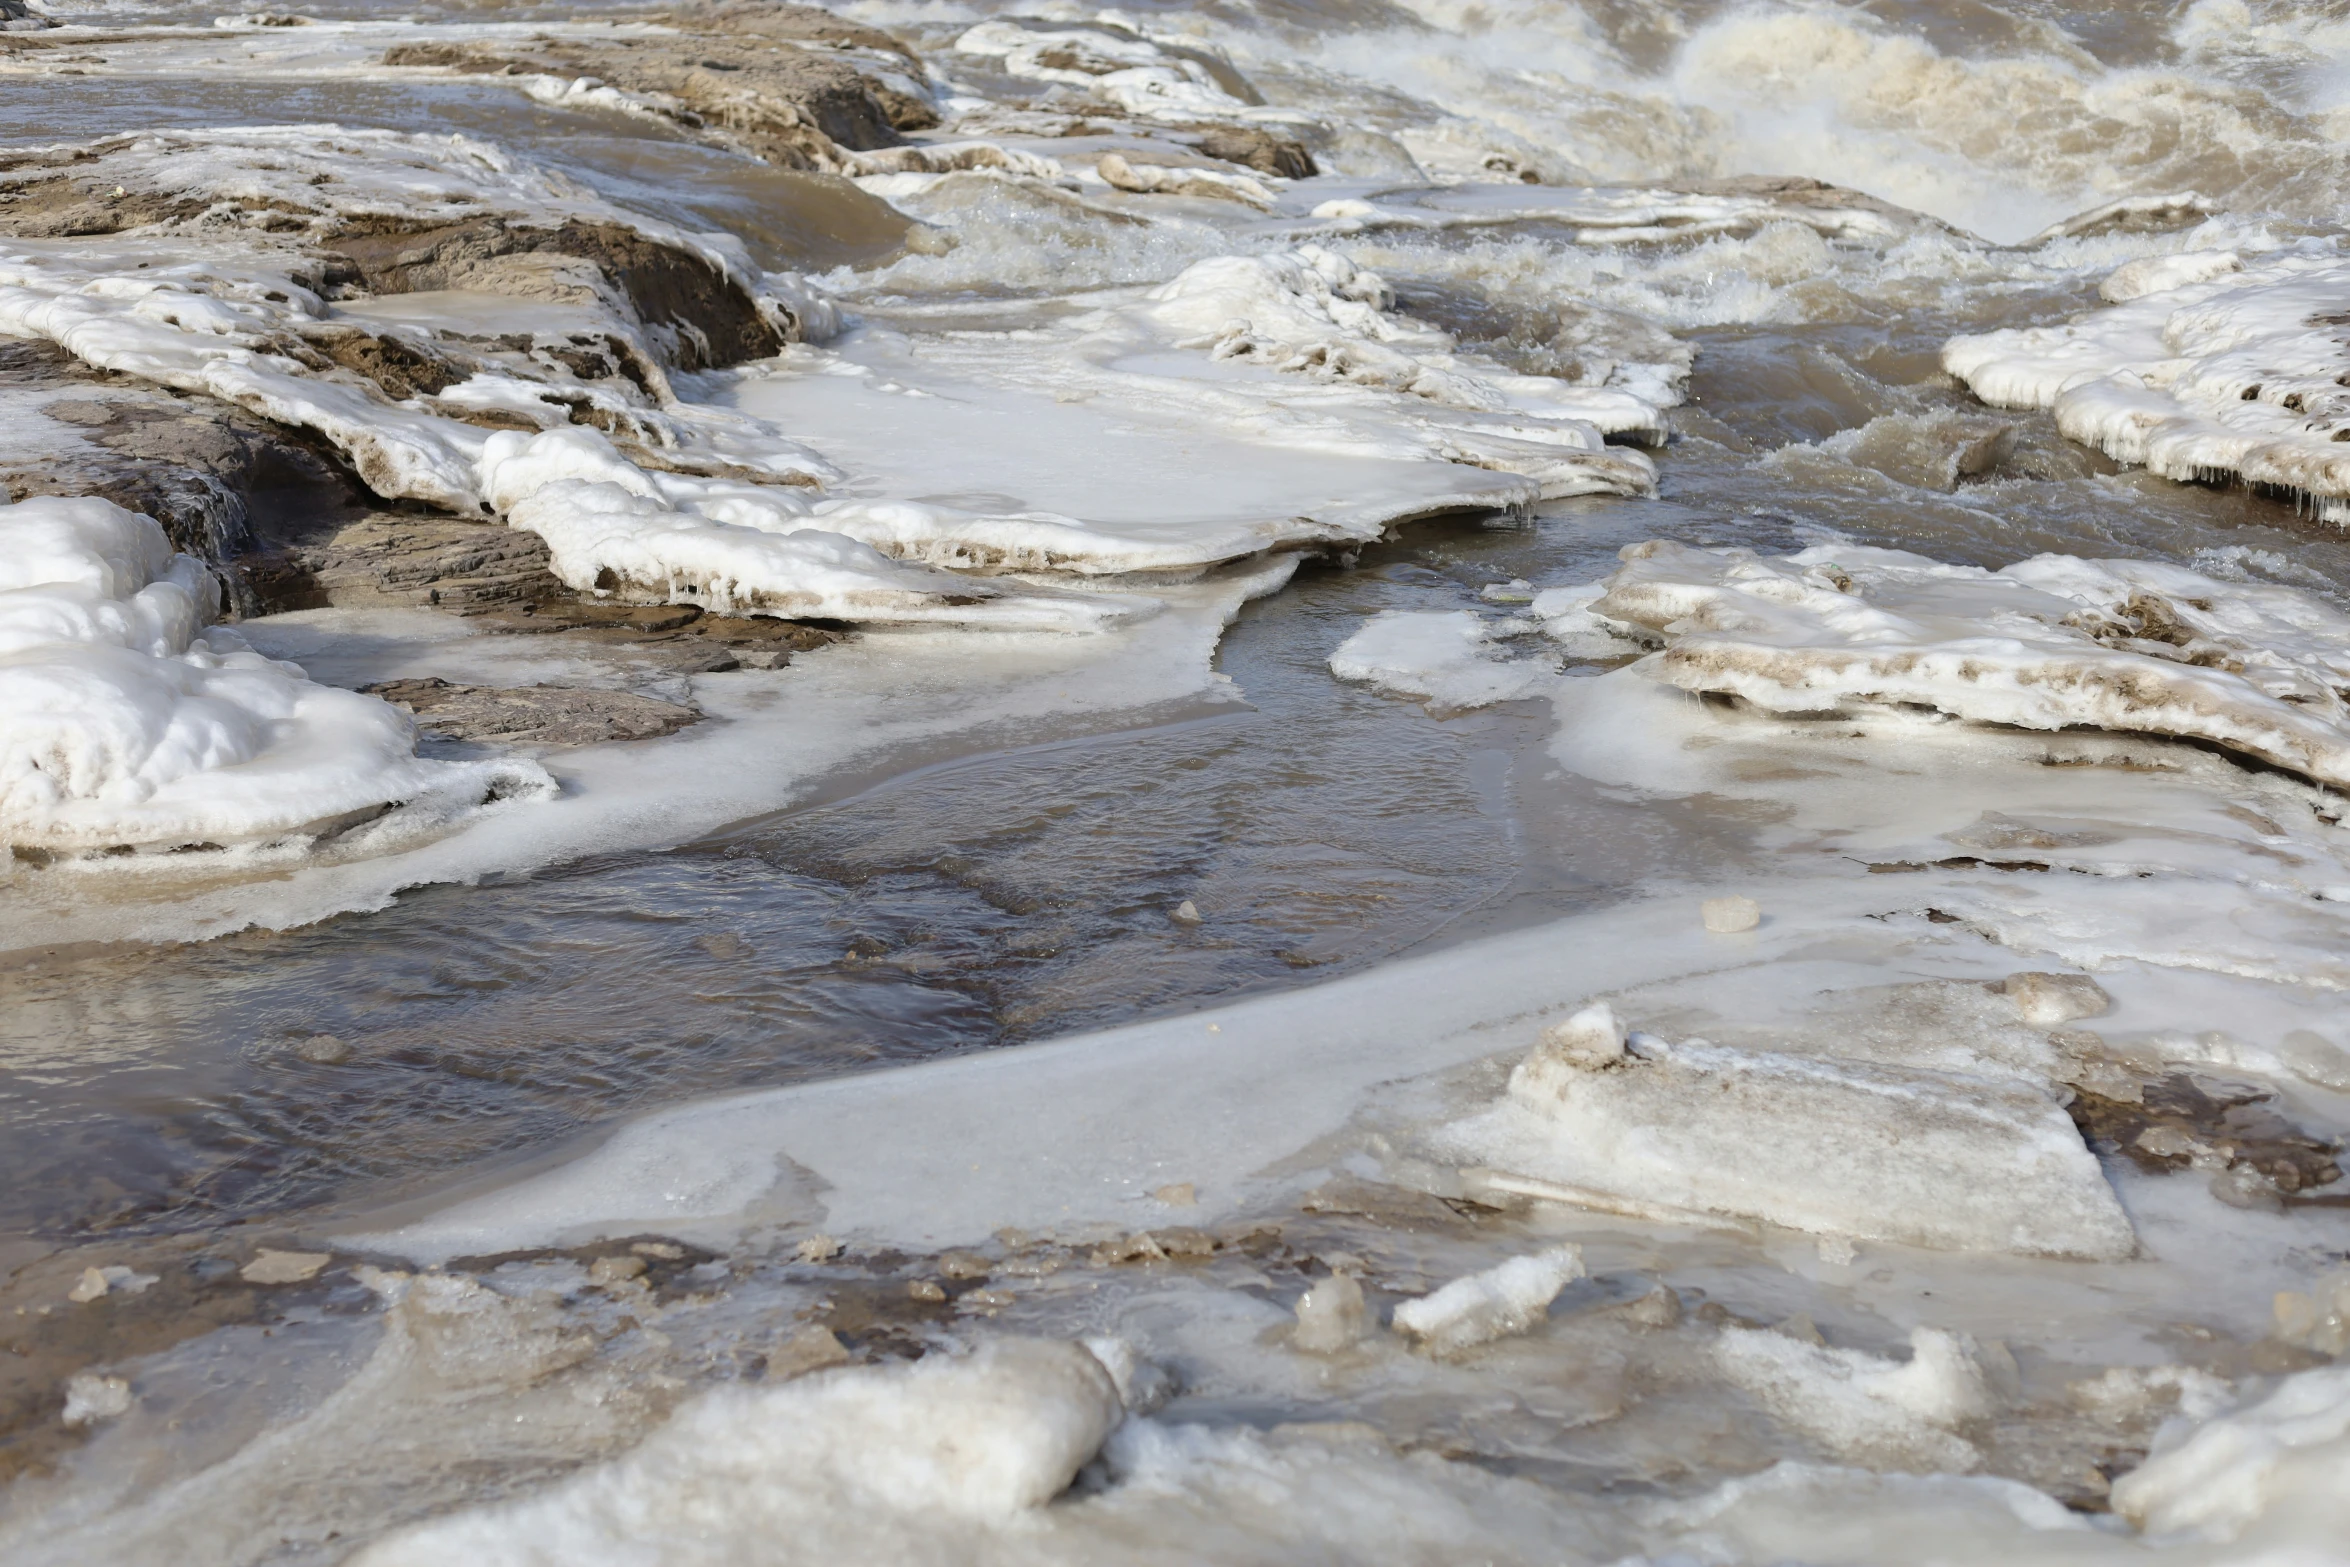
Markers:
point(2205, 366)
point(130, 722)
point(1446, 656)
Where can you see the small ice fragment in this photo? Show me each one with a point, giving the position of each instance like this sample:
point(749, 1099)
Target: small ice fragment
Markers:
point(926, 1290)
point(964, 1265)
point(90, 1396)
point(661, 1251)
point(1496, 1303)
point(1515, 591)
point(2047, 1000)
point(1590, 1041)
point(1837, 1252)
point(1177, 1194)
point(1659, 1308)
point(1186, 913)
point(605, 1272)
point(283, 1267)
point(322, 1050)
point(1331, 1316)
point(2241, 1186)
point(91, 1285)
point(1143, 1386)
point(817, 1248)
point(1727, 916)
point(111, 1279)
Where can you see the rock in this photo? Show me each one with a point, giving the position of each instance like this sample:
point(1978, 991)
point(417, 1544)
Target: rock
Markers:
point(1177, 1194)
point(91, 1397)
point(2048, 1000)
point(1162, 179)
point(810, 1349)
point(2181, 1121)
point(1727, 916)
point(284, 1267)
point(964, 1265)
point(1258, 149)
point(535, 715)
point(97, 1282)
point(1331, 1316)
point(605, 1272)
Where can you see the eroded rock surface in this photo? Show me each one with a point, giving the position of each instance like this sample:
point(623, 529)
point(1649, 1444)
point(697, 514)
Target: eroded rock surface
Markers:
point(535, 715)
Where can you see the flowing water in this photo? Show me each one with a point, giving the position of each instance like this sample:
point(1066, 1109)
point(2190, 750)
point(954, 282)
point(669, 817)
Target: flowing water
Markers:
point(948, 853)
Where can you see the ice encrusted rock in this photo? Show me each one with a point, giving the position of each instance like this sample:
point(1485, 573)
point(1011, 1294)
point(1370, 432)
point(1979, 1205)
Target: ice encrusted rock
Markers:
point(1506, 1299)
point(976, 1439)
point(1865, 1409)
point(1868, 1151)
point(2053, 642)
point(125, 719)
point(1109, 60)
point(2205, 366)
point(1453, 658)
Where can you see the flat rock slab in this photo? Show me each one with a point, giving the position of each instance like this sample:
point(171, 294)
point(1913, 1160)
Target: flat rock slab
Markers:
point(535, 715)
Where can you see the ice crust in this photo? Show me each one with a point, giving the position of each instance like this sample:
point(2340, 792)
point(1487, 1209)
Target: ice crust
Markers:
point(1955, 1161)
point(1508, 1298)
point(129, 720)
point(2285, 1459)
point(1862, 1407)
point(2205, 366)
point(2050, 643)
point(1446, 656)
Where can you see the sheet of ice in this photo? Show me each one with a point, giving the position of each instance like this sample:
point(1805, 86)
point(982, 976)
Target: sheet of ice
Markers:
point(127, 720)
point(1956, 1161)
point(1450, 657)
point(1614, 216)
point(2049, 643)
point(2207, 367)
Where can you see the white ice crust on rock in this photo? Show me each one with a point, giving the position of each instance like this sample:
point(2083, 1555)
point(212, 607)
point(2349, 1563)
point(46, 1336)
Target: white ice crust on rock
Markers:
point(127, 720)
point(2204, 367)
point(2050, 643)
point(1867, 1150)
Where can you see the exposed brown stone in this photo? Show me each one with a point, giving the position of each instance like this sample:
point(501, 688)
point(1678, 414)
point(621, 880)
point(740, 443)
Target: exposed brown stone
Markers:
point(1258, 149)
point(2182, 1121)
point(535, 715)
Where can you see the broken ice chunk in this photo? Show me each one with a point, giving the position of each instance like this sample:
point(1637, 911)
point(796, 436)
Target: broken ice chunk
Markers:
point(1496, 1303)
point(1728, 916)
point(1862, 1150)
point(2049, 1000)
point(1868, 1410)
point(1330, 1316)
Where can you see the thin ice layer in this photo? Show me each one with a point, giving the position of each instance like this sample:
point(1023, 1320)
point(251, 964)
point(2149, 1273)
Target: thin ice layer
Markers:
point(2054, 642)
point(1449, 657)
point(2206, 367)
point(126, 720)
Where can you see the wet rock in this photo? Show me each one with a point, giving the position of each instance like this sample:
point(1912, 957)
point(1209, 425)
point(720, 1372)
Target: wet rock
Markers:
point(2182, 1121)
point(535, 715)
point(926, 1290)
point(810, 1349)
point(17, 17)
point(742, 83)
point(393, 558)
point(1258, 149)
point(605, 1272)
point(1174, 1243)
point(1177, 1194)
point(284, 1267)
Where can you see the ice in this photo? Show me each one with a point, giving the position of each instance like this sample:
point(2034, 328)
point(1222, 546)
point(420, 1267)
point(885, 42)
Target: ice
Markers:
point(1111, 60)
point(1449, 657)
point(1836, 1147)
point(2281, 1464)
point(847, 1464)
point(1506, 1299)
point(1864, 1408)
point(2208, 366)
point(129, 720)
point(2049, 643)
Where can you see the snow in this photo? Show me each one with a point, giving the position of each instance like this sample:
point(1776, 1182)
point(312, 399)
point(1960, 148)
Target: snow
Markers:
point(132, 721)
point(2287, 1454)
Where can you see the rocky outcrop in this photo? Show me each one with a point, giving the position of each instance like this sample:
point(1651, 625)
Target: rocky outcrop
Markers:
point(749, 80)
point(535, 715)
